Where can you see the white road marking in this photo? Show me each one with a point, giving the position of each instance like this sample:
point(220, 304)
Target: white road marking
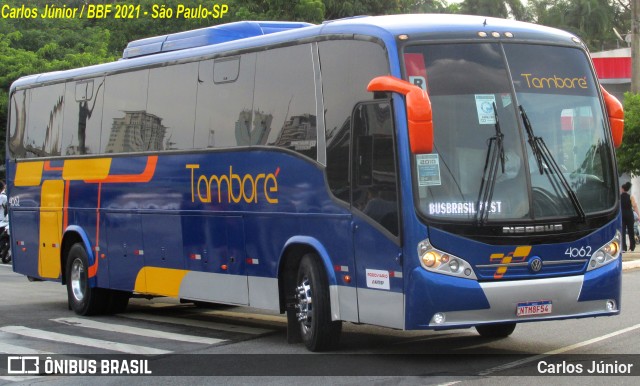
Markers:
point(198, 323)
point(19, 378)
point(19, 350)
point(72, 339)
point(120, 328)
point(557, 351)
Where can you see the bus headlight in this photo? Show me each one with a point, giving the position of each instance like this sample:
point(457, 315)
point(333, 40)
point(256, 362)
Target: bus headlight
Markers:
point(606, 254)
point(437, 261)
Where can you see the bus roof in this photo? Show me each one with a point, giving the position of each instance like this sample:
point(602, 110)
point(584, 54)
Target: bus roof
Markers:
point(386, 28)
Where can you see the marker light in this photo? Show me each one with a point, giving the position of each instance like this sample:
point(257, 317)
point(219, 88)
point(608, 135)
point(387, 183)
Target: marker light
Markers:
point(606, 254)
point(495, 34)
point(403, 37)
point(508, 34)
point(434, 260)
point(482, 34)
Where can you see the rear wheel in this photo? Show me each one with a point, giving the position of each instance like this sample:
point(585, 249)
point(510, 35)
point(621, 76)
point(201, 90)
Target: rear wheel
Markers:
point(313, 307)
point(83, 299)
point(501, 330)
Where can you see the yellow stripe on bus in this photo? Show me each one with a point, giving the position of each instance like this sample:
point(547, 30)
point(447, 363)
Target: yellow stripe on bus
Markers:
point(159, 281)
point(51, 203)
point(29, 173)
point(86, 169)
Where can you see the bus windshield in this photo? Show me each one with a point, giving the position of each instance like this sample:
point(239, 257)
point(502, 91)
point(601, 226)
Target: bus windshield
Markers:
point(492, 103)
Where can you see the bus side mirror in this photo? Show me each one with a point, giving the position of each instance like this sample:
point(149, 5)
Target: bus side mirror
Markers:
point(616, 116)
point(419, 114)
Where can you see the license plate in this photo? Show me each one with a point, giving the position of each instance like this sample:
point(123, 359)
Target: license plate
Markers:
point(540, 307)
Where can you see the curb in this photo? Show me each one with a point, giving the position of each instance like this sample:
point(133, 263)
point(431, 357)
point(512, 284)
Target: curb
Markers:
point(626, 265)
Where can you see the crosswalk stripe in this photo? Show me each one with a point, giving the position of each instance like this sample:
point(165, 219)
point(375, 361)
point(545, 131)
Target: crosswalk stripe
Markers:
point(198, 323)
point(19, 378)
point(103, 344)
point(80, 322)
point(19, 350)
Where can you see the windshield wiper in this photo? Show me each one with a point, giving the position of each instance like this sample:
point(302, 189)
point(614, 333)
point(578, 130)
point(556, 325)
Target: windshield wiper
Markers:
point(547, 164)
point(495, 155)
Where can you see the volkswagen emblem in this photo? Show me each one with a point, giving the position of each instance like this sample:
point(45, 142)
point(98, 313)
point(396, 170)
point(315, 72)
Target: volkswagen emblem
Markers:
point(535, 264)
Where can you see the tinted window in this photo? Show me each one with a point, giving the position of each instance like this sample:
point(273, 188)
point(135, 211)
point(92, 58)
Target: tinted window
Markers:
point(347, 67)
point(44, 129)
point(83, 117)
point(18, 125)
point(172, 103)
point(374, 167)
point(284, 100)
point(224, 113)
point(127, 126)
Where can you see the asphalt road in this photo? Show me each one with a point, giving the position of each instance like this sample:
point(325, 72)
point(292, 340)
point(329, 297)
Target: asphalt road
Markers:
point(240, 345)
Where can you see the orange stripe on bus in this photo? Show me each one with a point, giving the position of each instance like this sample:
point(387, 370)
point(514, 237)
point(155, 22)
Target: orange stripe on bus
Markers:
point(145, 176)
point(49, 168)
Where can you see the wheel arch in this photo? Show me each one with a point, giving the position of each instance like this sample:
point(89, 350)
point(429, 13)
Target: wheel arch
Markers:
point(294, 249)
point(73, 235)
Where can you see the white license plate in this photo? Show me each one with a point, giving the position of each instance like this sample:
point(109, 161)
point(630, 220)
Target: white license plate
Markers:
point(540, 307)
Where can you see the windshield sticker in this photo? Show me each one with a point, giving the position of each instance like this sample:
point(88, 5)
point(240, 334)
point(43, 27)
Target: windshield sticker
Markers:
point(416, 70)
point(419, 81)
point(554, 82)
point(506, 100)
point(428, 166)
point(448, 208)
point(484, 105)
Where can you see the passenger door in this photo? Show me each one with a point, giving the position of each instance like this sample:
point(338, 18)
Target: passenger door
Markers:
point(376, 219)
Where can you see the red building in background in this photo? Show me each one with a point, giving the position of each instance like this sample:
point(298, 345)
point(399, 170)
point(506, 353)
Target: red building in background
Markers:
point(614, 70)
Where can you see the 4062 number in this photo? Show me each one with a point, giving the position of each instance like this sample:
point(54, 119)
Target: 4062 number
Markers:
point(578, 252)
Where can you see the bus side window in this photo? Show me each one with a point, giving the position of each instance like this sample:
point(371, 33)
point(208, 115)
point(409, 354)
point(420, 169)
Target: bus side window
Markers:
point(224, 106)
point(44, 130)
point(375, 187)
point(285, 101)
point(83, 117)
point(172, 99)
point(347, 68)
point(125, 114)
point(18, 124)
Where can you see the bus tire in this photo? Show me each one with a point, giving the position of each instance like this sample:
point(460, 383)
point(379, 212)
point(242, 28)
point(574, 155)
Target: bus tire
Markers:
point(313, 306)
point(83, 299)
point(501, 330)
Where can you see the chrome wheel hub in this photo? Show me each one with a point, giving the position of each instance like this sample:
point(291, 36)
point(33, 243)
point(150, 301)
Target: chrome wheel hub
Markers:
point(78, 287)
point(304, 305)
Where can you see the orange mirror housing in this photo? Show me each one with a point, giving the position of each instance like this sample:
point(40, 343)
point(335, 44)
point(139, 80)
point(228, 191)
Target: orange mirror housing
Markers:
point(419, 113)
point(616, 116)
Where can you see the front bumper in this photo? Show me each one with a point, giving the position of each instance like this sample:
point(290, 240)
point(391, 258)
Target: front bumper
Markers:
point(467, 303)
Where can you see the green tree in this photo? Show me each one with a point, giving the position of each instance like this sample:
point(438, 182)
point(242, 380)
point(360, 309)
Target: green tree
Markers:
point(496, 8)
point(627, 153)
point(591, 20)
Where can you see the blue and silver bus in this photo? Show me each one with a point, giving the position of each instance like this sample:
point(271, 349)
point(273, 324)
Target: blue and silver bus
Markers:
point(408, 171)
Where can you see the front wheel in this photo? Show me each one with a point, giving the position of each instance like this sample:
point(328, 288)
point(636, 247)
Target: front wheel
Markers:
point(83, 299)
point(501, 330)
point(313, 306)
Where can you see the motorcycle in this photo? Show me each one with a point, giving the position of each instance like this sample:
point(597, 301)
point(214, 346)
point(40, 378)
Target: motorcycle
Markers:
point(5, 245)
